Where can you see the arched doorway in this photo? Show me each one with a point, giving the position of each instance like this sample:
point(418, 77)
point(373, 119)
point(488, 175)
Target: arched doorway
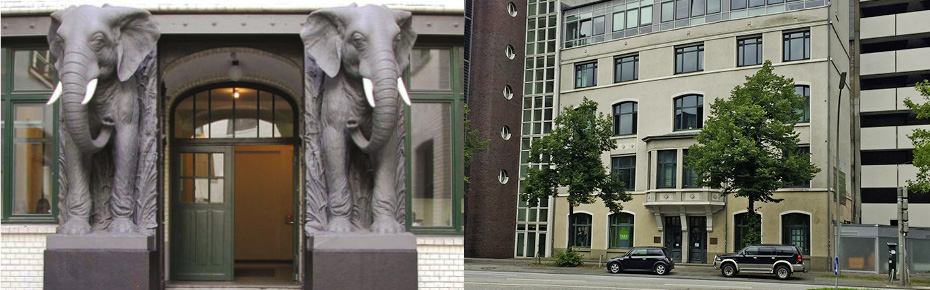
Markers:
point(232, 184)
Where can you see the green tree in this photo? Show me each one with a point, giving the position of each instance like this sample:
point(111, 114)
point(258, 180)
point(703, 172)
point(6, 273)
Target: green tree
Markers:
point(921, 140)
point(473, 141)
point(573, 150)
point(748, 147)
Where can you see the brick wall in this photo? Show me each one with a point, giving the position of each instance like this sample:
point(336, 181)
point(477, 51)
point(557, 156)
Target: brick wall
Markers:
point(441, 262)
point(21, 248)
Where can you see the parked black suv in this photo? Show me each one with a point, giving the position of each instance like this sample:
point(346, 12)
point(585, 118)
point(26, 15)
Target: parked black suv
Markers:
point(651, 259)
point(781, 260)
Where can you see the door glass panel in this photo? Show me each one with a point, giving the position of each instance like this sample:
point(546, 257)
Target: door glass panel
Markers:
point(33, 158)
point(431, 160)
point(186, 190)
point(201, 190)
point(201, 164)
point(217, 165)
point(216, 190)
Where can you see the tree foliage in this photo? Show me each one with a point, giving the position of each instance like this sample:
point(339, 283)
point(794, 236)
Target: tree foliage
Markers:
point(921, 140)
point(573, 149)
point(473, 141)
point(748, 146)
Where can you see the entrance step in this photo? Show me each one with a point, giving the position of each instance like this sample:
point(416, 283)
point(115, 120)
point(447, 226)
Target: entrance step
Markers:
point(229, 285)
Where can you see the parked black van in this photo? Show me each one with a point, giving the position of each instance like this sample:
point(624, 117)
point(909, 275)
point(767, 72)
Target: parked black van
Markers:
point(781, 260)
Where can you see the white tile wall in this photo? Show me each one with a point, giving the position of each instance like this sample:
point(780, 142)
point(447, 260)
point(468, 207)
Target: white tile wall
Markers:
point(21, 248)
point(441, 262)
point(440, 258)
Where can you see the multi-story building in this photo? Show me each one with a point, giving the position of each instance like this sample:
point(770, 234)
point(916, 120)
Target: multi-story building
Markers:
point(655, 67)
point(209, 53)
point(894, 53)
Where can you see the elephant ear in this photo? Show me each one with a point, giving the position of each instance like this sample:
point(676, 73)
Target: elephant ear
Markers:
point(406, 38)
point(53, 44)
point(323, 35)
point(138, 36)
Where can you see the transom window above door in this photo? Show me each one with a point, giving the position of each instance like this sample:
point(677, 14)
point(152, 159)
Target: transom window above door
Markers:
point(233, 112)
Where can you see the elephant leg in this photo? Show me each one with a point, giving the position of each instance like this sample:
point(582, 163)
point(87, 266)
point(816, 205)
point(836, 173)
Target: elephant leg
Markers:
point(334, 158)
point(77, 169)
point(384, 204)
point(125, 160)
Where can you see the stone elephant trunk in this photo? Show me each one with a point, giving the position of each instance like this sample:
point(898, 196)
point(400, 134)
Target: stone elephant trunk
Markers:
point(385, 90)
point(78, 84)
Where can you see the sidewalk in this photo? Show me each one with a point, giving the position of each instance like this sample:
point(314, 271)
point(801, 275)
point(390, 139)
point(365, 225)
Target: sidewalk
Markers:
point(687, 271)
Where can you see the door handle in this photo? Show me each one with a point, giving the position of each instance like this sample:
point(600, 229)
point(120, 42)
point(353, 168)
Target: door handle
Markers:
point(289, 219)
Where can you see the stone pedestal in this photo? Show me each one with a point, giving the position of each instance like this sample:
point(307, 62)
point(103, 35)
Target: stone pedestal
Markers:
point(101, 261)
point(361, 261)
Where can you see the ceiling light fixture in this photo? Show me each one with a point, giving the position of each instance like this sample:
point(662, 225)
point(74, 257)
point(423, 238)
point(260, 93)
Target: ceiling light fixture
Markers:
point(235, 93)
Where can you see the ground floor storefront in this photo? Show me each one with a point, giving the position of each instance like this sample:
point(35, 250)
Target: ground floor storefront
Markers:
point(696, 224)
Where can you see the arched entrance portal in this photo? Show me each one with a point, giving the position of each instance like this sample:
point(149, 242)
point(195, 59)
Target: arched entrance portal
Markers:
point(232, 184)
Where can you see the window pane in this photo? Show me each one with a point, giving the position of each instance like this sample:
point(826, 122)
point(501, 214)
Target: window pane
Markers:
point(618, 22)
point(713, 6)
point(201, 190)
point(632, 19)
point(697, 7)
point(737, 4)
point(266, 128)
point(283, 118)
point(201, 115)
point(666, 168)
point(184, 119)
point(216, 190)
point(681, 9)
point(431, 164)
point(221, 111)
point(646, 13)
point(33, 70)
point(246, 113)
point(430, 69)
point(599, 25)
point(668, 11)
point(756, 3)
point(33, 157)
point(186, 190)
point(585, 29)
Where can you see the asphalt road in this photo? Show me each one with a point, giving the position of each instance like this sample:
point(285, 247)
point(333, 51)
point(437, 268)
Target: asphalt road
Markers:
point(525, 281)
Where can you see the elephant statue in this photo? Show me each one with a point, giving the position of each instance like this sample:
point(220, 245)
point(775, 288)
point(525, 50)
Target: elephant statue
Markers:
point(363, 52)
point(98, 51)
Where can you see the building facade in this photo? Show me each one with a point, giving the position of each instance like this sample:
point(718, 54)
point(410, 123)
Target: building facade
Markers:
point(208, 55)
point(894, 55)
point(655, 67)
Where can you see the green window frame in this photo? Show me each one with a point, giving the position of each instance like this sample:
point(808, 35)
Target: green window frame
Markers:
point(742, 228)
point(620, 232)
point(11, 97)
point(805, 92)
point(796, 230)
point(452, 99)
point(581, 228)
point(689, 178)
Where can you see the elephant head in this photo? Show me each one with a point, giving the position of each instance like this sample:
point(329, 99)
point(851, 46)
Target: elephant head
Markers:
point(372, 43)
point(91, 44)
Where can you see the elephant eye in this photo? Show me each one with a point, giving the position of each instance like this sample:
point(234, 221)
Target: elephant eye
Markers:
point(98, 41)
point(358, 40)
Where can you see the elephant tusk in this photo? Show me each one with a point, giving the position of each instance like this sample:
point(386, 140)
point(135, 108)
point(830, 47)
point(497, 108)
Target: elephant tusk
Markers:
point(91, 87)
point(369, 91)
point(402, 89)
point(55, 95)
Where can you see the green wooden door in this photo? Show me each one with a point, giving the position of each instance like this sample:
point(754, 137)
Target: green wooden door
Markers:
point(202, 214)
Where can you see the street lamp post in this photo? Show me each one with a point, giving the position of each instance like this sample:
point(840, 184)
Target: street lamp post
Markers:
point(837, 225)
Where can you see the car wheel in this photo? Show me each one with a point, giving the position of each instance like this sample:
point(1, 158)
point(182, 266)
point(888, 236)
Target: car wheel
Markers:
point(613, 267)
point(661, 269)
point(728, 270)
point(782, 272)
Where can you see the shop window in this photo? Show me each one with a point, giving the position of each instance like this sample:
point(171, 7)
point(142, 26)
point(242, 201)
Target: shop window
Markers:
point(581, 229)
point(29, 136)
point(621, 231)
point(796, 230)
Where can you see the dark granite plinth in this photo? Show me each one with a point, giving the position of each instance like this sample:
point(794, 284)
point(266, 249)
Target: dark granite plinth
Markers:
point(101, 262)
point(361, 261)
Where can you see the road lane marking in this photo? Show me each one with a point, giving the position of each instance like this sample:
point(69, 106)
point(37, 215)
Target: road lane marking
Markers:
point(559, 286)
point(708, 286)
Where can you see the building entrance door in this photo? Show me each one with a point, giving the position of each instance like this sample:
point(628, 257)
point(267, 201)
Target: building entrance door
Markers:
point(202, 218)
point(697, 237)
point(672, 230)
